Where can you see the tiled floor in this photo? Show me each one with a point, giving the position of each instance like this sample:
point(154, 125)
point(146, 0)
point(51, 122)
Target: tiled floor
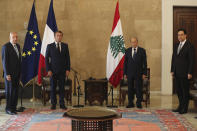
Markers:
point(157, 102)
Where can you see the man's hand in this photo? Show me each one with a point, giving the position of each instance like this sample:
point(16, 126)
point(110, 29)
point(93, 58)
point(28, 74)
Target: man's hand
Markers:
point(143, 77)
point(172, 73)
point(67, 73)
point(50, 73)
point(125, 77)
point(8, 77)
point(189, 76)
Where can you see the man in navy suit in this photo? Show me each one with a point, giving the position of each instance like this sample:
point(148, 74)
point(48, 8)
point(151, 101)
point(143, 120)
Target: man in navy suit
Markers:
point(182, 69)
point(57, 61)
point(11, 60)
point(135, 70)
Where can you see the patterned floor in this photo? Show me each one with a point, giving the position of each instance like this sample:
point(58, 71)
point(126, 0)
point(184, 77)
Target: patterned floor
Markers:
point(133, 120)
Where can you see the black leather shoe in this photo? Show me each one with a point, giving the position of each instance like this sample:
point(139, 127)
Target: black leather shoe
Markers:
point(18, 110)
point(139, 105)
point(63, 107)
point(10, 112)
point(14, 112)
point(182, 112)
point(130, 106)
point(176, 110)
point(53, 107)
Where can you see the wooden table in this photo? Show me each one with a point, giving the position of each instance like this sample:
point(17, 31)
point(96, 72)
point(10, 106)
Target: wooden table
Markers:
point(96, 90)
point(92, 119)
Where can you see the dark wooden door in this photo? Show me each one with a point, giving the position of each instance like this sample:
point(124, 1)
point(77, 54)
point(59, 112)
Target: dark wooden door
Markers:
point(186, 17)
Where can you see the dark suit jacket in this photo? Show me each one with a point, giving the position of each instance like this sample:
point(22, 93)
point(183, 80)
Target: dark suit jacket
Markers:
point(137, 67)
point(55, 61)
point(11, 62)
point(183, 63)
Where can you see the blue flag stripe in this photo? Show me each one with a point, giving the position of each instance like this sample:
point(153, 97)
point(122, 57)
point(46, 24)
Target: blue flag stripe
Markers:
point(51, 21)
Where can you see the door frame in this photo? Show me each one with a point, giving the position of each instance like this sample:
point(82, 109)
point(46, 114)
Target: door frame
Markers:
point(167, 41)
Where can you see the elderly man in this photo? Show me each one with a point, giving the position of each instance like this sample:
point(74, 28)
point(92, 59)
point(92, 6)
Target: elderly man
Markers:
point(135, 70)
point(11, 60)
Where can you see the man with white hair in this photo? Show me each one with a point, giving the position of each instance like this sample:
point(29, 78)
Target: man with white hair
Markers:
point(11, 60)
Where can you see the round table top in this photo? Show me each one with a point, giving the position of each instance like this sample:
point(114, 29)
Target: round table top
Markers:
point(92, 113)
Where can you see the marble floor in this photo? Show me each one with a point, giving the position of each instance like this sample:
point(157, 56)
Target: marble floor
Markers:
point(158, 101)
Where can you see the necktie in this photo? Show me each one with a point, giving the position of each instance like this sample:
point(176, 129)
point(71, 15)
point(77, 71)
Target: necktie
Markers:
point(134, 54)
point(179, 48)
point(15, 48)
point(58, 47)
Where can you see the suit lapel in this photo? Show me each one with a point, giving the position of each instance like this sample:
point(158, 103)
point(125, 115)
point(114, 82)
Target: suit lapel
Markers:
point(12, 48)
point(182, 47)
point(138, 50)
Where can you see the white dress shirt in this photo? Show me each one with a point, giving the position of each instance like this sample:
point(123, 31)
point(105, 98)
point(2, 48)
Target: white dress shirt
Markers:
point(180, 46)
point(133, 50)
point(59, 45)
point(15, 48)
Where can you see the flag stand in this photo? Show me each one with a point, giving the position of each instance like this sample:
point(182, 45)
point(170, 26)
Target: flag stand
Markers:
point(78, 88)
point(21, 108)
point(34, 98)
point(112, 94)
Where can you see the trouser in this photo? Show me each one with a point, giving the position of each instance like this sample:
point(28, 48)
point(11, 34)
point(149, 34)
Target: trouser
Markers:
point(57, 79)
point(11, 92)
point(135, 89)
point(182, 88)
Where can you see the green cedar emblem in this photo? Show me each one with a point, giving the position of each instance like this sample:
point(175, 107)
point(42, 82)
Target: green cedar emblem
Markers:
point(117, 45)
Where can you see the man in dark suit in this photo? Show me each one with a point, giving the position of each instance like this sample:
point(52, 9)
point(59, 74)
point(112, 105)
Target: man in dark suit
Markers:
point(11, 60)
point(57, 61)
point(135, 69)
point(182, 69)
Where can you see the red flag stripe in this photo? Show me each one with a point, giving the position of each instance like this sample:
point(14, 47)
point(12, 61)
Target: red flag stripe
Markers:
point(116, 16)
point(117, 74)
point(41, 70)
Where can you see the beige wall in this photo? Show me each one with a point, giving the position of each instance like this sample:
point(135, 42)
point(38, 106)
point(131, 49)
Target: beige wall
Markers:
point(87, 26)
point(167, 40)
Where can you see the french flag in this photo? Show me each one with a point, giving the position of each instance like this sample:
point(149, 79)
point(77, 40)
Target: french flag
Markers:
point(48, 38)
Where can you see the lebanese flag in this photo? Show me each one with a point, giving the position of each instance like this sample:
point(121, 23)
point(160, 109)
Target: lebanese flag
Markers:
point(48, 38)
point(116, 51)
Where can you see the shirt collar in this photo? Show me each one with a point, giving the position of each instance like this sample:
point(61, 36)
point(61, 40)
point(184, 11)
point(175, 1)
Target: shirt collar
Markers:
point(183, 42)
point(135, 48)
point(56, 42)
point(13, 44)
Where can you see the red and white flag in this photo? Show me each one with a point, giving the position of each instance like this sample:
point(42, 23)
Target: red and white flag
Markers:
point(48, 38)
point(116, 51)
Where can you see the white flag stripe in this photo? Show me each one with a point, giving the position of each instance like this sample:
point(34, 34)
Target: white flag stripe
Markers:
point(112, 62)
point(47, 39)
point(118, 29)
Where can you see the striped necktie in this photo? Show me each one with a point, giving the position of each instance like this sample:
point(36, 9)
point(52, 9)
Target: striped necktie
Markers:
point(15, 48)
point(179, 48)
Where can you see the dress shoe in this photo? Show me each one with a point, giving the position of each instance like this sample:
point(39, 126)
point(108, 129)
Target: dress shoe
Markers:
point(10, 112)
point(176, 110)
point(182, 112)
point(18, 110)
point(139, 105)
point(63, 107)
point(15, 112)
point(131, 105)
point(53, 107)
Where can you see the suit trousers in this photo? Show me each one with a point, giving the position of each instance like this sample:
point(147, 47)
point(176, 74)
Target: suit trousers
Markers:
point(11, 92)
point(57, 80)
point(182, 88)
point(135, 87)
